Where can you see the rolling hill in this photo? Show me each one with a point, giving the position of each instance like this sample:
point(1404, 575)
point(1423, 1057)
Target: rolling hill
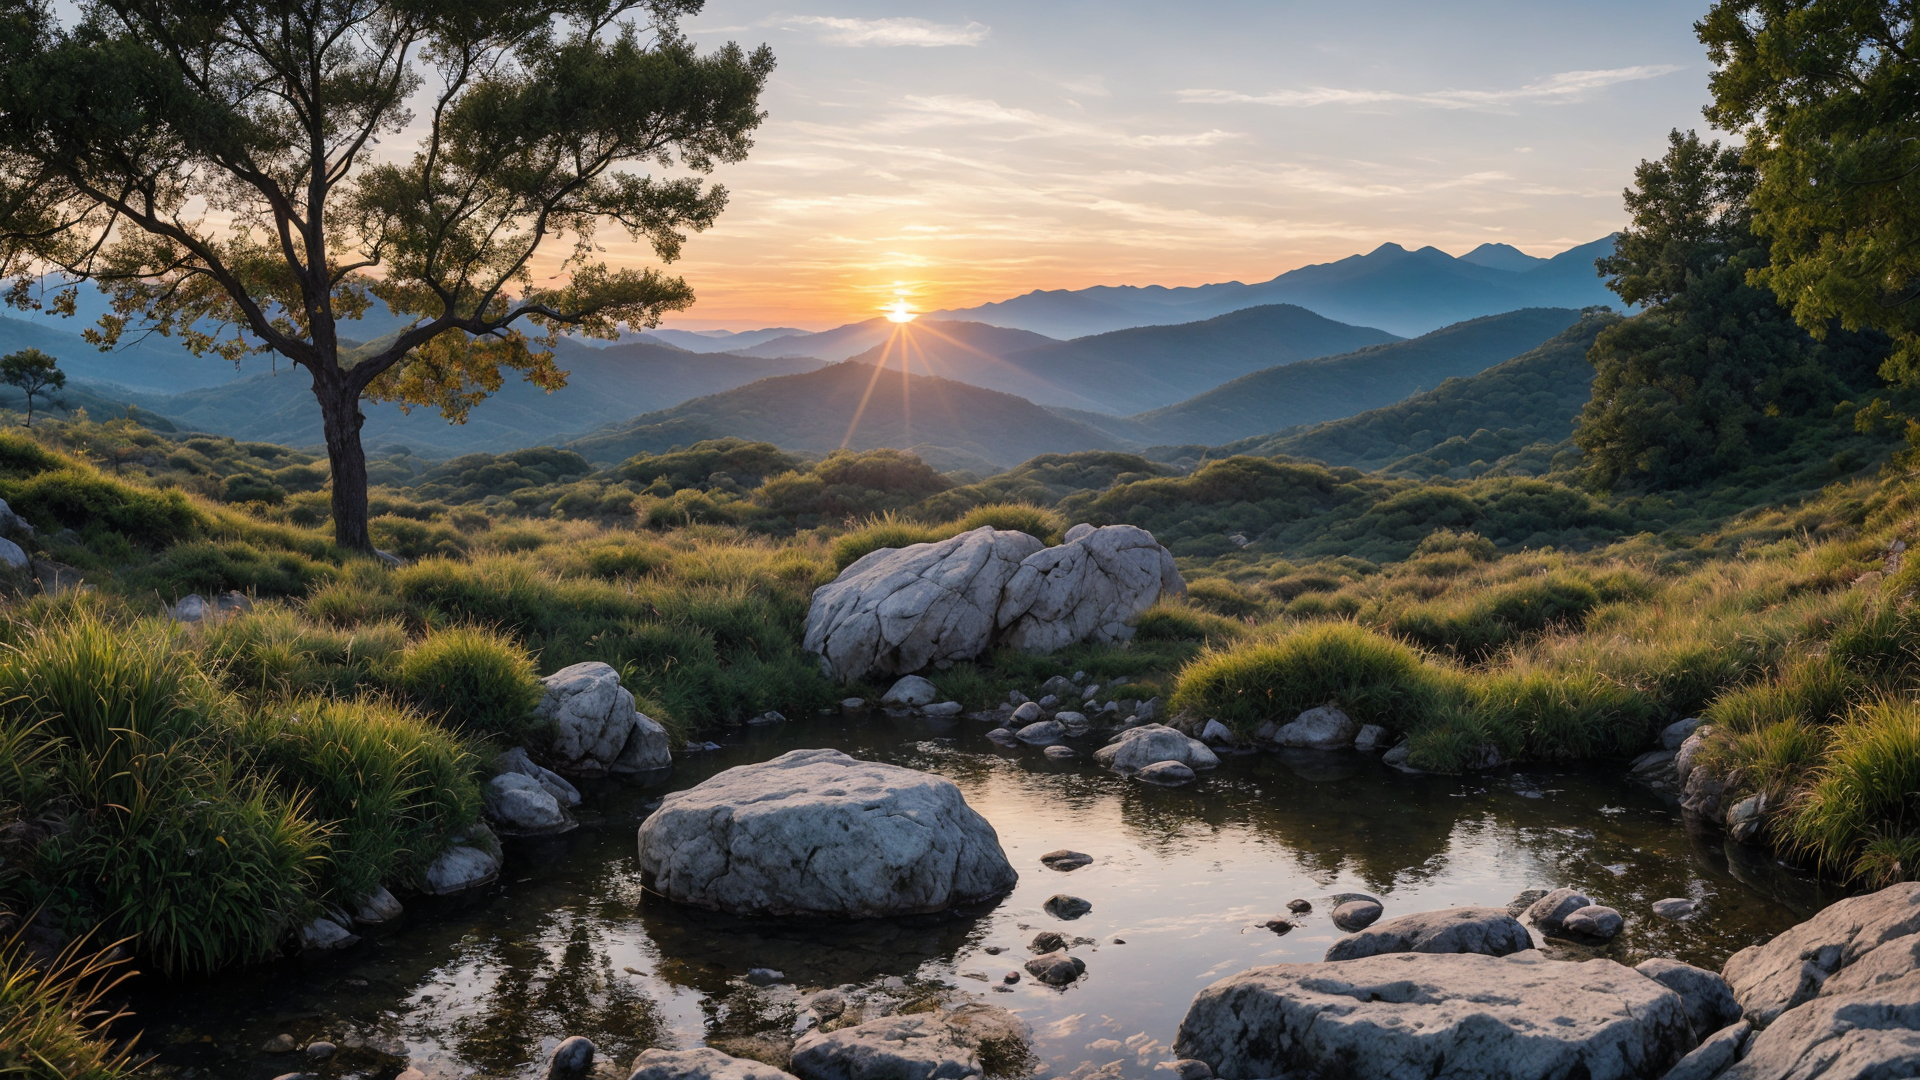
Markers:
point(1331, 387)
point(1401, 291)
point(861, 407)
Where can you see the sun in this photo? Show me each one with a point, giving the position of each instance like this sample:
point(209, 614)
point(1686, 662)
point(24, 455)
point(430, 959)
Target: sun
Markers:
point(899, 311)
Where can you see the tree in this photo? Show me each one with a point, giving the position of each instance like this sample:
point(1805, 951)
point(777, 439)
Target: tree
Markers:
point(34, 372)
point(217, 167)
point(1823, 93)
point(1714, 372)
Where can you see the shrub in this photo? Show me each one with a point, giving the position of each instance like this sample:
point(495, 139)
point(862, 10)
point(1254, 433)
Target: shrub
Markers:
point(52, 1023)
point(276, 653)
point(392, 786)
point(1480, 621)
point(1372, 677)
point(474, 681)
point(1171, 620)
point(209, 567)
point(1042, 524)
point(887, 530)
point(1224, 597)
point(1862, 817)
point(362, 595)
point(411, 539)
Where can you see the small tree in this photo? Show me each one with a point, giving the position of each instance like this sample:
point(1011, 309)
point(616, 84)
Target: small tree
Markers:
point(34, 372)
point(215, 165)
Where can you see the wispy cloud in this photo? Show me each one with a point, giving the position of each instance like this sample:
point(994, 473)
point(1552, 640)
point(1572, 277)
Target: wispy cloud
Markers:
point(881, 33)
point(1567, 86)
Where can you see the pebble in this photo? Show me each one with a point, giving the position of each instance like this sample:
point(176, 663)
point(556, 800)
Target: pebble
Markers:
point(1047, 941)
point(320, 1051)
point(1004, 736)
point(1299, 907)
point(1010, 977)
point(1065, 859)
point(1060, 753)
point(1062, 906)
point(994, 950)
point(1119, 941)
point(1675, 908)
point(280, 1044)
point(1279, 924)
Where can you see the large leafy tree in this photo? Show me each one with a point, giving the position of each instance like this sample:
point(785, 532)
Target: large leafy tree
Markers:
point(220, 168)
point(1826, 94)
point(1713, 373)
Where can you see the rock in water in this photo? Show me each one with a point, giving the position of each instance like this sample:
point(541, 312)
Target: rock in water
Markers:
point(1485, 930)
point(1166, 774)
point(916, 1047)
point(377, 907)
point(323, 934)
point(1676, 908)
point(1551, 910)
point(1056, 968)
point(517, 761)
point(701, 1063)
point(596, 728)
point(1594, 921)
point(520, 806)
point(815, 832)
point(572, 1059)
point(473, 860)
point(1356, 914)
point(1062, 906)
point(1087, 589)
point(1139, 747)
point(1419, 1015)
point(1324, 728)
point(1708, 1001)
point(898, 610)
point(1769, 979)
point(1041, 733)
point(1065, 859)
point(910, 692)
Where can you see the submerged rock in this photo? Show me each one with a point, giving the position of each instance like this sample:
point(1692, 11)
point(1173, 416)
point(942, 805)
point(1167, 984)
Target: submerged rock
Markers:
point(1137, 748)
point(1166, 774)
point(1675, 908)
point(898, 610)
point(1061, 753)
point(701, 1063)
point(1322, 728)
point(1088, 589)
point(1421, 1015)
point(815, 832)
point(1485, 930)
point(1065, 859)
point(596, 728)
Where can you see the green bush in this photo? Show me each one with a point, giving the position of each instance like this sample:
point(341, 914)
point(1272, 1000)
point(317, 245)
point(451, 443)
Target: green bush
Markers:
point(392, 787)
point(274, 653)
point(1225, 598)
point(1861, 817)
point(1373, 678)
point(1482, 620)
point(209, 567)
point(78, 498)
point(474, 681)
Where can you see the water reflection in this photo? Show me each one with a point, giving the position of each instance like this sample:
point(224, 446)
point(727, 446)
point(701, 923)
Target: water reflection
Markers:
point(566, 944)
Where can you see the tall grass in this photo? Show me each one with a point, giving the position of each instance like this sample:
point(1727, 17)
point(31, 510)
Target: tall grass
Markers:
point(475, 681)
point(1861, 816)
point(888, 530)
point(53, 1020)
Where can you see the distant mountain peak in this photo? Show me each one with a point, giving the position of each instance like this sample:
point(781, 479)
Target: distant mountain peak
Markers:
point(1503, 257)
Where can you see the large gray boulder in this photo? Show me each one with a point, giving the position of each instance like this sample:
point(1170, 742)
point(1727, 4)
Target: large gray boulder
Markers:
point(1322, 728)
point(1486, 930)
point(1136, 748)
point(1709, 1003)
point(1417, 1016)
point(815, 832)
point(916, 1047)
point(1087, 589)
point(1791, 969)
point(701, 1063)
point(897, 610)
point(596, 729)
point(1869, 1032)
point(1713, 1055)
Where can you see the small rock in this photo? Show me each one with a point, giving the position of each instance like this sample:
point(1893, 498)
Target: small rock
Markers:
point(1046, 941)
point(853, 704)
point(1488, 931)
point(994, 950)
point(910, 692)
point(1398, 756)
point(1010, 977)
point(1090, 692)
point(1593, 921)
point(1216, 733)
point(1356, 915)
point(1166, 774)
point(1048, 701)
point(320, 1051)
point(322, 934)
point(1079, 677)
point(1551, 910)
point(1299, 907)
point(1279, 924)
point(1747, 818)
point(572, 1059)
point(1004, 736)
point(1075, 723)
point(1674, 735)
point(1062, 906)
point(1119, 941)
point(1060, 753)
point(1065, 859)
point(761, 976)
point(1027, 713)
point(1188, 1068)
point(827, 1004)
point(1675, 908)
point(522, 806)
point(768, 717)
point(280, 1044)
point(1040, 733)
point(1016, 699)
point(1322, 728)
point(1652, 763)
point(1056, 968)
point(1059, 686)
point(1372, 737)
point(944, 708)
point(190, 608)
point(294, 1076)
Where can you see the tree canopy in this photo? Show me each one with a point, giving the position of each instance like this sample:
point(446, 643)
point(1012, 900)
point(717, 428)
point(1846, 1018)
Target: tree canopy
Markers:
point(219, 167)
point(34, 373)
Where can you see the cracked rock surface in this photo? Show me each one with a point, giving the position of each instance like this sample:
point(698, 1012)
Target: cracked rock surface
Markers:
point(818, 833)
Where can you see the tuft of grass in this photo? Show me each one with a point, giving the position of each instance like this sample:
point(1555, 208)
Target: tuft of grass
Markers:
point(888, 530)
point(1042, 524)
point(1374, 678)
point(53, 1018)
point(1861, 816)
point(474, 681)
point(1475, 623)
point(1174, 620)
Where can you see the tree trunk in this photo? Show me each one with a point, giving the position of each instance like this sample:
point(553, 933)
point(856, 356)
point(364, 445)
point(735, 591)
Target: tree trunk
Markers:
point(340, 418)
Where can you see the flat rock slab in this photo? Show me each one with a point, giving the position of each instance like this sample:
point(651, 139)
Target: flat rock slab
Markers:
point(1486, 930)
point(917, 1047)
point(1416, 1016)
point(815, 832)
point(1769, 979)
point(1872, 1033)
point(701, 1063)
point(1708, 1001)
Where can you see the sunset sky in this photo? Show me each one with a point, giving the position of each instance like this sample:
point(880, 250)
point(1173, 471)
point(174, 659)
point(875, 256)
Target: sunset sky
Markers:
point(968, 152)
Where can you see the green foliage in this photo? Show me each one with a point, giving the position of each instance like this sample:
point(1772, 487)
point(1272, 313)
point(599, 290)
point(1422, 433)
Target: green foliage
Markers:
point(1861, 816)
point(888, 530)
point(275, 654)
point(731, 464)
point(53, 1023)
point(1173, 621)
point(848, 483)
point(1038, 522)
point(1372, 677)
point(1476, 624)
point(475, 477)
point(474, 681)
point(1045, 480)
point(411, 539)
point(209, 567)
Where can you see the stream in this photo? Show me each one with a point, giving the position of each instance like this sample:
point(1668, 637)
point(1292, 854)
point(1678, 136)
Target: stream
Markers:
point(486, 984)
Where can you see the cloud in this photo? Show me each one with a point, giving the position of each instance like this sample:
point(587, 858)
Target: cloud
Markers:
point(1567, 86)
point(890, 32)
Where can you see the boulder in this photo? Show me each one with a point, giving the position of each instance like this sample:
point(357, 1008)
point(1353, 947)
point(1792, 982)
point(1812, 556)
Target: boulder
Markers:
point(517, 761)
point(14, 557)
point(1711, 1057)
point(1042, 733)
point(815, 832)
point(1594, 921)
point(1355, 915)
point(596, 729)
point(520, 806)
point(1869, 1032)
point(1674, 735)
point(473, 860)
point(1489, 931)
point(323, 934)
point(1056, 968)
point(1428, 1016)
point(910, 692)
point(1087, 589)
point(1136, 748)
point(898, 610)
point(701, 1063)
point(916, 1047)
point(1551, 910)
point(1704, 994)
point(1768, 980)
point(1323, 728)
point(572, 1059)
point(377, 907)
point(1165, 774)
point(1371, 737)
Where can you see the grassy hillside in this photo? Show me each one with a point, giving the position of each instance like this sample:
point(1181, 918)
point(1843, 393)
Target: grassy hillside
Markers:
point(1127, 371)
point(857, 406)
point(1332, 387)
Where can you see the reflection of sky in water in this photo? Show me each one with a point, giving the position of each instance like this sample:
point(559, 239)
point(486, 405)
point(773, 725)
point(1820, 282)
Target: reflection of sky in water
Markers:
point(487, 985)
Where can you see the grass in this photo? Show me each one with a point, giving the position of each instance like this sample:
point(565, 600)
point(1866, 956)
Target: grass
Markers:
point(474, 681)
point(53, 1020)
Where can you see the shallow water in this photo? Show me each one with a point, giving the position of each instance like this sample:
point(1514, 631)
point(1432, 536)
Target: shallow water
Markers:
point(565, 944)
